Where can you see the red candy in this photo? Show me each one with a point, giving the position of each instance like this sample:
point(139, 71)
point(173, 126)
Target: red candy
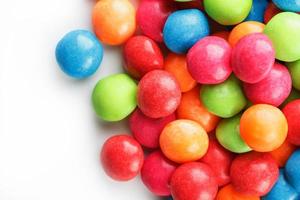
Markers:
point(158, 94)
point(152, 15)
point(142, 55)
point(147, 130)
point(122, 157)
point(219, 159)
point(253, 57)
point(273, 89)
point(254, 173)
point(270, 12)
point(209, 60)
point(156, 173)
point(292, 114)
point(194, 181)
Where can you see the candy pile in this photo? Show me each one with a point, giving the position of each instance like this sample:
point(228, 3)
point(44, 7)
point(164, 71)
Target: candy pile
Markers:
point(211, 92)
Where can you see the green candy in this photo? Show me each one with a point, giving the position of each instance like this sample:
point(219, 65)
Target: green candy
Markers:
point(284, 32)
point(295, 94)
point(228, 12)
point(294, 69)
point(225, 99)
point(228, 135)
point(114, 97)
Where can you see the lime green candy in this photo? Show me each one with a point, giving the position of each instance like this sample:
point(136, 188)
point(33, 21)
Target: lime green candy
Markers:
point(294, 69)
point(114, 97)
point(284, 31)
point(228, 12)
point(225, 99)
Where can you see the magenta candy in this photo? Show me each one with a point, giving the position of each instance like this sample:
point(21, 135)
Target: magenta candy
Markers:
point(209, 60)
point(147, 130)
point(273, 89)
point(156, 173)
point(252, 58)
point(158, 94)
point(152, 15)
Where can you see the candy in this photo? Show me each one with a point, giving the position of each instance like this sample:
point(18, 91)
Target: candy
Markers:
point(177, 66)
point(158, 94)
point(79, 54)
point(273, 89)
point(295, 94)
point(252, 58)
point(254, 173)
point(147, 130)
point(228, 135)
point(282, 154)
point(222, 34)
point(225, 99)
point(292, 170)
point(270, 12)
point(263, 127)
point(257, 11)
point(228, 12)
point(294, 69)
point(114, 97)
point(156, 173)
point(209, 60)
point(290, 5)
point(184, 28)
point(285, 25)
point(122, 157)
point(229, 193)
point(192, 108)
point(193, 181)
point(142, 55)
point(114, 21)
point(292, 114)
point(183, 141)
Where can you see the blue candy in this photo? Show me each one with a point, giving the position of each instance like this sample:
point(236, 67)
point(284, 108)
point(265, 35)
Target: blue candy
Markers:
point(257, 11)
point(288, 5)
point(79, 53)
point(282, 190)
point(292, 170)
point(184, 28)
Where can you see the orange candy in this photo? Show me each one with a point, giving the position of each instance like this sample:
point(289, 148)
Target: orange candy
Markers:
point(176, 65)
point(114, 21)
point(228, 193)
point(282, 154)
point(222, 34)
point(183, 141)
point(263, 127)
point(192, 108)
point(244, 29)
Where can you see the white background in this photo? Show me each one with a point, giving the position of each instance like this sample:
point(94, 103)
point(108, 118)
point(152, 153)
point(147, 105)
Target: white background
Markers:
point(49, 136)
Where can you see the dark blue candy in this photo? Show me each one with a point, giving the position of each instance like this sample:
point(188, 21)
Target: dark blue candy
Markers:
point(292, 170)
point(288, 5)
point(257, 11)
point(79, 53)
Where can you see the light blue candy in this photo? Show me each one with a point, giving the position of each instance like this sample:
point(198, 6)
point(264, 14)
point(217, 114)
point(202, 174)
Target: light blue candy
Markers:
point(79, 54)
point(184, 28)
point(288, 5)
point(257, 11)
point(292, 170)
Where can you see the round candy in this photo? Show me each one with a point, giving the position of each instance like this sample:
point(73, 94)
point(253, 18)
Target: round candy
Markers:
point(257, 11)
point(263, 127)
point(228, 12)
point(183, 141)
point(209, 60)
point(252, 58)
point(292, 170)
point(147, 130)
point(270, 12)
point(292, 114)
point(192, 108)
point(114, 21)
point(152, 15)
point(158, 94)
point(142, 55)
point(294, 69)
point(122, 157)
point(184, 28)
point(177, 66)
point(225, 99)
point(229, 193)
point(114, 97)
point(282, 154)
point(285, 25)
point(273, 89)
point(79, 54)
point(243, 29)
point(156, 173)
point(228, 135)
point(254, 173)
point(194, 181)
point(290, 5)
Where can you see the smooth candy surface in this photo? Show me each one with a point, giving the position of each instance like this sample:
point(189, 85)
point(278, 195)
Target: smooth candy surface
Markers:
point(184, 28)
point(229, 193)
point(292, 114)
point(79, 54)
point(114, 97)
point(292, 170)
point(282, 154)
point(288, 5)
point(209, 60)
point(252, 58)
point(257, 11)
point(294, 69)
point(122, 157)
